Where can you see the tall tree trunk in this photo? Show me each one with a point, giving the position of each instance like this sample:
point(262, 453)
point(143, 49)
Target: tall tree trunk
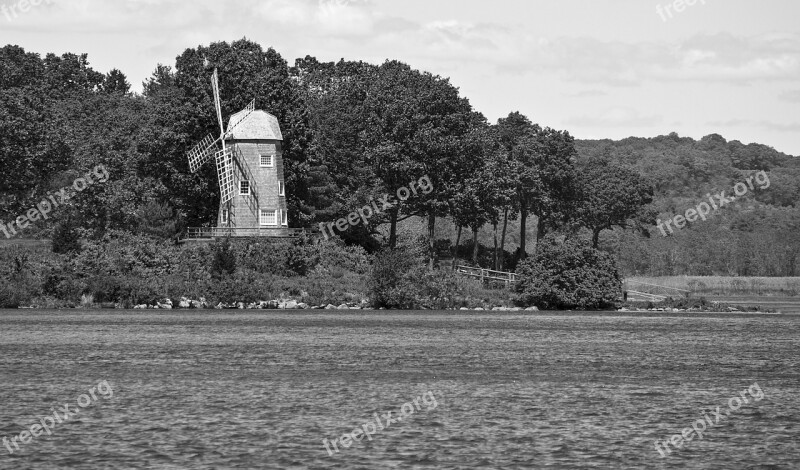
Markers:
point(503, 240)
point(523, 221)
point(494, 261)
point(431, 240)
point(475, 245)
point(458, 240)
point(393, 229)
point(595, 238)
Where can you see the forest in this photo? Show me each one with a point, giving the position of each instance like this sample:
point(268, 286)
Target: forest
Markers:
point(354, 131)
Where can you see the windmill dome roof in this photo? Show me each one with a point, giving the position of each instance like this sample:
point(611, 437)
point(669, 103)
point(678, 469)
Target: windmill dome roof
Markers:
point(259, 125)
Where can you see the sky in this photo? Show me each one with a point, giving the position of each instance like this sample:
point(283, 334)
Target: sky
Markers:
point(597, 68)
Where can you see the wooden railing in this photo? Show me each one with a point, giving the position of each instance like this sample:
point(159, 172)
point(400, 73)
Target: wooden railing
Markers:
point(487, 274)
point(195, 233)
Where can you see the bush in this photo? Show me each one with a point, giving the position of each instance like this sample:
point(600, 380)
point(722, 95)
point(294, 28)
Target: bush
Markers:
point(66, 238)
point(224, 261)
point(568, 275)
point(400, 279)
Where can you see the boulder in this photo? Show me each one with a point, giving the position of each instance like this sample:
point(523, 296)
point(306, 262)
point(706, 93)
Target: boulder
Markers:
point(480, 309)
point(197, 304)
point(302, 305)
point(287, 305)
point(463, 308)
point(344, 307)
point(330, 307)
point(185, 303)
point(141, 306)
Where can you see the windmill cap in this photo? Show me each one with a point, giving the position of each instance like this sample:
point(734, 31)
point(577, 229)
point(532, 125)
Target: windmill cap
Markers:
point(259, 125)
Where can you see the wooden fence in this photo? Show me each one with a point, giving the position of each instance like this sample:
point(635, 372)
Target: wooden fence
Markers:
point(488, 275)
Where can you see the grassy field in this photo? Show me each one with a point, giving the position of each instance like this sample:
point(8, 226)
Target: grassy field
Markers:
point(716, 285)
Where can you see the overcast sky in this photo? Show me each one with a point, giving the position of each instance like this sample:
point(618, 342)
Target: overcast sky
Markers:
point(598, 68)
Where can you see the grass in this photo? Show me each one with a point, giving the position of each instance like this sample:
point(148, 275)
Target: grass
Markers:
point(718, 285)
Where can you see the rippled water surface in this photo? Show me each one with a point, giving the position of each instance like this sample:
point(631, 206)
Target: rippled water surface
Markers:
point(241, 389)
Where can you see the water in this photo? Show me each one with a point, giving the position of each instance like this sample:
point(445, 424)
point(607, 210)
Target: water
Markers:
point(257, 389)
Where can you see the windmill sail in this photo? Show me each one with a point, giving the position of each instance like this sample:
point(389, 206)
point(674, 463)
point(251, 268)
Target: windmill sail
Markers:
point(215, 87)
point(225, 174)
point(241, 116)
point(201, 153)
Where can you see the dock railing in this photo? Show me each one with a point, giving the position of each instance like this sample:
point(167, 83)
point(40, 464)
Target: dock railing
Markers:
point(488, 275)
point(200, 233)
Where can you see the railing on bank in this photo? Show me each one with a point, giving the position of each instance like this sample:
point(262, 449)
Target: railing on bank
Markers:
point(487, 274)
point(196, 233)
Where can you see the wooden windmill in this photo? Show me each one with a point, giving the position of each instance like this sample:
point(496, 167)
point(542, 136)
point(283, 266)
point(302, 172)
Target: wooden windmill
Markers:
point(252, 203)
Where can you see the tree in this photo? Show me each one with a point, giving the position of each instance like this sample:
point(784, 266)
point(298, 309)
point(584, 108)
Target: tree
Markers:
point(115, 82)
point(416, 125)
point(546, 180)
point(610, 196)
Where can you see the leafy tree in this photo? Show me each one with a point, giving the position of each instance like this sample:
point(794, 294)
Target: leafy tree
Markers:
point(546, 182)
point(610, 196)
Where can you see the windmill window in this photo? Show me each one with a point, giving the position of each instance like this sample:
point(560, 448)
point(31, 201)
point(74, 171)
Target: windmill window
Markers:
point(284, 218)
point(225, 216)
point(281, 189)
point(267, 161)
point(268, 217)
point(244, 188)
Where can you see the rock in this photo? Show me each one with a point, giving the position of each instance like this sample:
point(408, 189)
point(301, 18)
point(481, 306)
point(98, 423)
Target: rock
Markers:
point(252, 306)
point(497, 309)
point(344, 307)
point(463, 308)
point(330, 307)
point(532, 309)
point(240, 305)
point(479, 309)
point(219, 306)
point(515, 309)
point(184, 303)
point(288, 305)
point(141, 307)
point(196, 304)
point(302, 305)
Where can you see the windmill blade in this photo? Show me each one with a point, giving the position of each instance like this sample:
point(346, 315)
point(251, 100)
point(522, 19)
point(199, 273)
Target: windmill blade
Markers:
point(225, 174)
point(215, 87)
point(244, 113)
point(201, 152)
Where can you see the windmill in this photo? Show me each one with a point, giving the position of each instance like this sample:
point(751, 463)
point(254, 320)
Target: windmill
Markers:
point(252, 135)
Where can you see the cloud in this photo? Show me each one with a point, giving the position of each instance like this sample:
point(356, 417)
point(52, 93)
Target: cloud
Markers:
point(763, 124)
point(792, 96)
point(616, 117)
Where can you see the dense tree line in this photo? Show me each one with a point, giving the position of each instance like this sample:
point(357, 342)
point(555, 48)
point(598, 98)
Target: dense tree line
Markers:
point(354, 131)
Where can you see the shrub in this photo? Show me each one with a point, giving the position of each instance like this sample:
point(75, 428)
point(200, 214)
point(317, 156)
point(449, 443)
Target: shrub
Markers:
point(568, 275)
point(224, 260)
point(66, 238)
